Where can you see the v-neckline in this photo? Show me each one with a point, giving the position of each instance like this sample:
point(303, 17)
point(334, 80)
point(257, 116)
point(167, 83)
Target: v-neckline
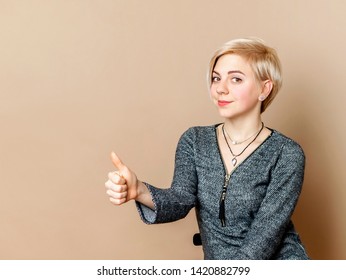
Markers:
point(216, 138)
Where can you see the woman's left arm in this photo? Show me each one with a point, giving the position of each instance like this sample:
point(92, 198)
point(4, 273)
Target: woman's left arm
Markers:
point(271, 220)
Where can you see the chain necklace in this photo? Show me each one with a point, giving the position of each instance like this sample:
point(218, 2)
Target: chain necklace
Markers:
point(234, 159)
point(234, 142)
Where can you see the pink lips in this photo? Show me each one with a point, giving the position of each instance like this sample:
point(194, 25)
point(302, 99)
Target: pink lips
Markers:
point(223, 103)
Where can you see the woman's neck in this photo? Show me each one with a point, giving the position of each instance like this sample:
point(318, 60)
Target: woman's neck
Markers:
point(240, 129)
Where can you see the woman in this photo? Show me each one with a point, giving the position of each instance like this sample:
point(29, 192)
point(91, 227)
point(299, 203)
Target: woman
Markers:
point(243, 178)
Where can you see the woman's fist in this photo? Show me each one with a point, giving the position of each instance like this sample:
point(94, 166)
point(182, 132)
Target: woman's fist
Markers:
point(122, 185)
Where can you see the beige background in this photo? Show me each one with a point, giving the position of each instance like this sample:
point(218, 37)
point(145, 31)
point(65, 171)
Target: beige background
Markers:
point(81, 78)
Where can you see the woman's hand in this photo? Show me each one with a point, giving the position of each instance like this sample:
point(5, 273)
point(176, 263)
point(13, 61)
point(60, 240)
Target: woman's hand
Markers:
point(122, 185)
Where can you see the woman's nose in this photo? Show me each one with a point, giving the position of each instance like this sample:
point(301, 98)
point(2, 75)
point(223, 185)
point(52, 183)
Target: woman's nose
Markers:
point(222, 88)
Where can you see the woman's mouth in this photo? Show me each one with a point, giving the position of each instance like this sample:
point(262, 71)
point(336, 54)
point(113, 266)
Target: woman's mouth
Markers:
point(223, 103)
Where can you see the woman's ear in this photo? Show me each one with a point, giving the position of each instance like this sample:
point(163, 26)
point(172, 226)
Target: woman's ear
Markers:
point(267, 87)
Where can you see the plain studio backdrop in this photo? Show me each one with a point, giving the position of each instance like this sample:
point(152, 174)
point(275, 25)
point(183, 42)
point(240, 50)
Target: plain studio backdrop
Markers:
point(81, 78)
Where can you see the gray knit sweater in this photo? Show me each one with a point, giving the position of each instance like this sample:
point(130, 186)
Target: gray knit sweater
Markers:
point(261, 196)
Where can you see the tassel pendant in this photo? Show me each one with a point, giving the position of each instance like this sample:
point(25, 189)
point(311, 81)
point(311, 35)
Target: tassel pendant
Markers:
point(234, 161)
point(222, 214)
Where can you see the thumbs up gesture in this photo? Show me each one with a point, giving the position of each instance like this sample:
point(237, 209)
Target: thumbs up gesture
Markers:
point(122, 185)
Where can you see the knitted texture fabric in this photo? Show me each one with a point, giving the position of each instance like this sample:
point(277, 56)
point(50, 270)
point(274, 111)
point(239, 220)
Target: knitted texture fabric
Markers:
point(262, 193)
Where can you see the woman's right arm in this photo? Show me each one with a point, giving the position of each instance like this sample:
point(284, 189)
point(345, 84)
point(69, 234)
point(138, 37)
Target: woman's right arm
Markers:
point(156, 205)
point(123, 185)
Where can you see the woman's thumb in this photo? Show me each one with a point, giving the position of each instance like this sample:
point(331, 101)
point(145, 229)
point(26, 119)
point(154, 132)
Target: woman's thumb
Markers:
point(117, 161)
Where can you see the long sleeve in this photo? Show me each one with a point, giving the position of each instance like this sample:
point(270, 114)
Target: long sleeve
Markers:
point(273, 217)
point(175, 202)
point(261, 197)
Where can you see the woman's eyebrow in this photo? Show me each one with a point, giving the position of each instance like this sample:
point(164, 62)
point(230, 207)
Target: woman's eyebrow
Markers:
point(230, 72)
point(235, 71)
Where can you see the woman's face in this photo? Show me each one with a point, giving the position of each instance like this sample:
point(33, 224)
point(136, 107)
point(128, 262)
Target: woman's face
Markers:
point(234, 88)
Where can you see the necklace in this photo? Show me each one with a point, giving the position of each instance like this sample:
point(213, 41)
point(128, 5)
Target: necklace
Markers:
point(234, 142)
point(234, 159)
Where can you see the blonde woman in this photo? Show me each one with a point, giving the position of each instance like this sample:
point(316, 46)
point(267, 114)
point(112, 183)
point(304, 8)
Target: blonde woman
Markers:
point(243, 178)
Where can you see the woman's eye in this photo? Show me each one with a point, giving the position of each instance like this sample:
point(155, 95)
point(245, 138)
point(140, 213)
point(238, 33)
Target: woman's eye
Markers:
point(236, 80)
point(215, 79)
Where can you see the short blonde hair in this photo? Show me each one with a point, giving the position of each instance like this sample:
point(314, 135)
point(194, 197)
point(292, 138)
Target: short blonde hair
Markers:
point(263, 60)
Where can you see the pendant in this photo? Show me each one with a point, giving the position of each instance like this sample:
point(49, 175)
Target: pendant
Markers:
point(234, 161)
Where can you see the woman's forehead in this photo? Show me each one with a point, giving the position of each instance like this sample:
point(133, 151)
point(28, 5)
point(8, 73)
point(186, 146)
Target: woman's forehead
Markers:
point(232, 62)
